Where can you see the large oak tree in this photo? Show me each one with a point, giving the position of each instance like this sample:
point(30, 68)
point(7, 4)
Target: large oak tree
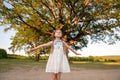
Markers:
point(80, 20)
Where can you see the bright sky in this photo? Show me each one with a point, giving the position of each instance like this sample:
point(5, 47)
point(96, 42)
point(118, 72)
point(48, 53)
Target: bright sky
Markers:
point(92, 49)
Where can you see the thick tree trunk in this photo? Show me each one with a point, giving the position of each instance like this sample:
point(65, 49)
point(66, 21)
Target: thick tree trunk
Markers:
point(37, 57)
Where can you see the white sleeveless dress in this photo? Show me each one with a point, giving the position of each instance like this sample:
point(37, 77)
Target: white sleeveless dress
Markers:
point(58, 61)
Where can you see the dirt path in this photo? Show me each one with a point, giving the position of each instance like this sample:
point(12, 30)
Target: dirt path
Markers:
point(37, 74)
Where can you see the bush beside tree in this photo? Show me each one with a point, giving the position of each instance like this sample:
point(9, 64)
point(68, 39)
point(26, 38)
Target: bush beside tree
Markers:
point(3, 53)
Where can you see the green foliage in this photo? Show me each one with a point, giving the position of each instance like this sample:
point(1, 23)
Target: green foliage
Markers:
point(13, 56)
point(80, 20)
point(3, 53)
point(96, 59)
point(44, 57)
point(71, 59)
point(90, 59)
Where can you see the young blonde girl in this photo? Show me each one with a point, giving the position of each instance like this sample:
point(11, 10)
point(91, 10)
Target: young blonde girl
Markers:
point(57, 62)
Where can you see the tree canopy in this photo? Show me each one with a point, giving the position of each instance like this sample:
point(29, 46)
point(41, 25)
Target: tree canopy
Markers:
point(79, 20)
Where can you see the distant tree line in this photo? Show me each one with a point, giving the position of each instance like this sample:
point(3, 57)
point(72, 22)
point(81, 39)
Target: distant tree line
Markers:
point(92, 59)
point(89, 59)
point(3, 54)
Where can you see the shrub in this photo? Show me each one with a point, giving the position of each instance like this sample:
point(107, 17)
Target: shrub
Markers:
point(3, 53)
point(91, 58)
point(110, 60)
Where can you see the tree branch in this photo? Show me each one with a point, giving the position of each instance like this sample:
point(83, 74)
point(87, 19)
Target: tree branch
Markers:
point(41, 16)
point(33, 27)
point(47, 6)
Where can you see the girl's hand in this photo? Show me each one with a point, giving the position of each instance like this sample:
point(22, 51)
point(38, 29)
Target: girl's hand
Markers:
point(31, 50)
point(78, 54)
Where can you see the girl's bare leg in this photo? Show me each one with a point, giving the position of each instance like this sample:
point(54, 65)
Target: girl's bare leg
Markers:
point(58, 76)
point(54, 76)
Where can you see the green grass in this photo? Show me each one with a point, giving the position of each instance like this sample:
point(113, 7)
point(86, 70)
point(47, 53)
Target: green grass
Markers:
point(94, 65)
point(11, 64)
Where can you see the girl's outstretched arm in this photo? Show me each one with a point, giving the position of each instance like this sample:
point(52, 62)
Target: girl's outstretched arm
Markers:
point(70, 48)
point(42, 45)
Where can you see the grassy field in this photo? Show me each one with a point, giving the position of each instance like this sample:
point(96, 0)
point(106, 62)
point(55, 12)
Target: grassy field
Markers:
point(9, 64)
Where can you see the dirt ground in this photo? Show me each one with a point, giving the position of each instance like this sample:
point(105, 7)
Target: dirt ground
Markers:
point(38, 74)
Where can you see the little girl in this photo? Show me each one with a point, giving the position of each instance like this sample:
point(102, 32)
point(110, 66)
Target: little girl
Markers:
point(57, 62)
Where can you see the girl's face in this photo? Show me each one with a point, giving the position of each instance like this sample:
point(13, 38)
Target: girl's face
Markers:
point(58, 34)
